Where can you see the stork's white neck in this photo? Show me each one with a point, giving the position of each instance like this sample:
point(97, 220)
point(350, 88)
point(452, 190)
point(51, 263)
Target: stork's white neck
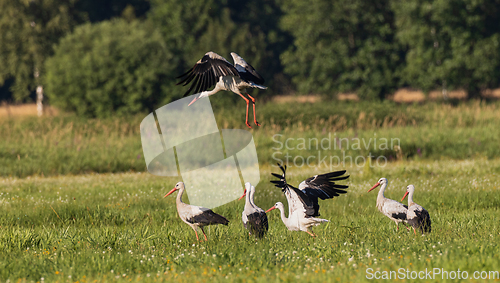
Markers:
point(248, 201)
point(283, 217)
point(410, 196)
point(381, 191)
point(179, 195)
point(252, 194)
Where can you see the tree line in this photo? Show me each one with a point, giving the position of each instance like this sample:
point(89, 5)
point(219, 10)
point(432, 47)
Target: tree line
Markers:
point(124, 55)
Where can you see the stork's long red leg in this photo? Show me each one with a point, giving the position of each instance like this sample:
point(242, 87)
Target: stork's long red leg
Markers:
point(204, 233)
point(248, 102)
point(197, 239)
point(254, 117)
point(311, 234)
point(414, 231)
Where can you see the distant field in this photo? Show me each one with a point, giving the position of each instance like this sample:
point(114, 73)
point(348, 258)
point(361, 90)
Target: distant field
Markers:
point(403, 95)
point(24, 110)
point(67, 144)
point(116, 227)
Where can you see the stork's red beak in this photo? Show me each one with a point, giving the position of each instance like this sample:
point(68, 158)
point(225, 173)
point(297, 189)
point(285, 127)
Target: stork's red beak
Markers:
point(169, 193)
point(404, 196)
point(274, 207)
point(376, 185)
point(244, 194)
point(196, 98)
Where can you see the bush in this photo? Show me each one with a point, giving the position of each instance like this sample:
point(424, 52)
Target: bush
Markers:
point(110, 67)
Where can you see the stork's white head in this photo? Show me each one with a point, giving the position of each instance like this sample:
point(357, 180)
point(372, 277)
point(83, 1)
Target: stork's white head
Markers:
point(409, 190)
point(178, 186)
point(278, 205)
point(381, 181)
point(247, 189)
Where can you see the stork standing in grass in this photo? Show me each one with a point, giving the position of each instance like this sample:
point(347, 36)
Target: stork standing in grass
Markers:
point(254, 218)
point(195, 216)
point(396, 211)
point(417, 216)
point(303, 207)
point(214, 69)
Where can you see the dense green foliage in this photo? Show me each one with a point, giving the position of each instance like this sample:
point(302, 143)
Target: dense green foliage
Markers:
point(342, 46)
point(28, 29)
point(99, 10)
point(116, 227)
point(451, 44)
point(325, 47)
point(110, 67)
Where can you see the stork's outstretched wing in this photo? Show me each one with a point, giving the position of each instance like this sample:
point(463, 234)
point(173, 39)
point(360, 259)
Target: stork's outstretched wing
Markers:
point(206, 73)
point(297, 200)
point(324, 187)
point(247, 72)
point(319, 186)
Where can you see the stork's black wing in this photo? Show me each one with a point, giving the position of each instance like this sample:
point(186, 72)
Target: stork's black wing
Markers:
point(247, 72)
point(324, 187)
point(208, 217)
point(250, 75)
point(421, 221)
point(293, 193)
point(257, 224)
point(206, 73)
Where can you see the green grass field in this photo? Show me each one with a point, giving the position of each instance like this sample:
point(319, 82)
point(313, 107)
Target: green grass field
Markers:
point(118, 226)
point(76, 206)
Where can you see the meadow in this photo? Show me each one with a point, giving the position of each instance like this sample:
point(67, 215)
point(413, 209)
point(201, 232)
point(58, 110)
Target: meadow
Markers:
point(77, 206)
point(66, 144)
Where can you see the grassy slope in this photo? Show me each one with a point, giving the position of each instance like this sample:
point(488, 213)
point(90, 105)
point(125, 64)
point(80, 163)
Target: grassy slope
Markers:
point(106, 226)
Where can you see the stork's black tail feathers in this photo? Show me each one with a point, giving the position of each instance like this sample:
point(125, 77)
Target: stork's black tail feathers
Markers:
point(281, 183)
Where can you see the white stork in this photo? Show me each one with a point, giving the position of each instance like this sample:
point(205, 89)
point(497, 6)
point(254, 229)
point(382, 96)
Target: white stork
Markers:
point(195, 216)
point(417, 216)
point(394, 210)
point(303, 204)
point(214, 69)
point(254, 218)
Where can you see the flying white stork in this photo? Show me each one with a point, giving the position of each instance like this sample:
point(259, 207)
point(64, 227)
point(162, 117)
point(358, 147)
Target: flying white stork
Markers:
point(214, 69)
point(254, 218)
point(195, 216)
point(303, 204)
point(417, 216)
point(396, 211)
